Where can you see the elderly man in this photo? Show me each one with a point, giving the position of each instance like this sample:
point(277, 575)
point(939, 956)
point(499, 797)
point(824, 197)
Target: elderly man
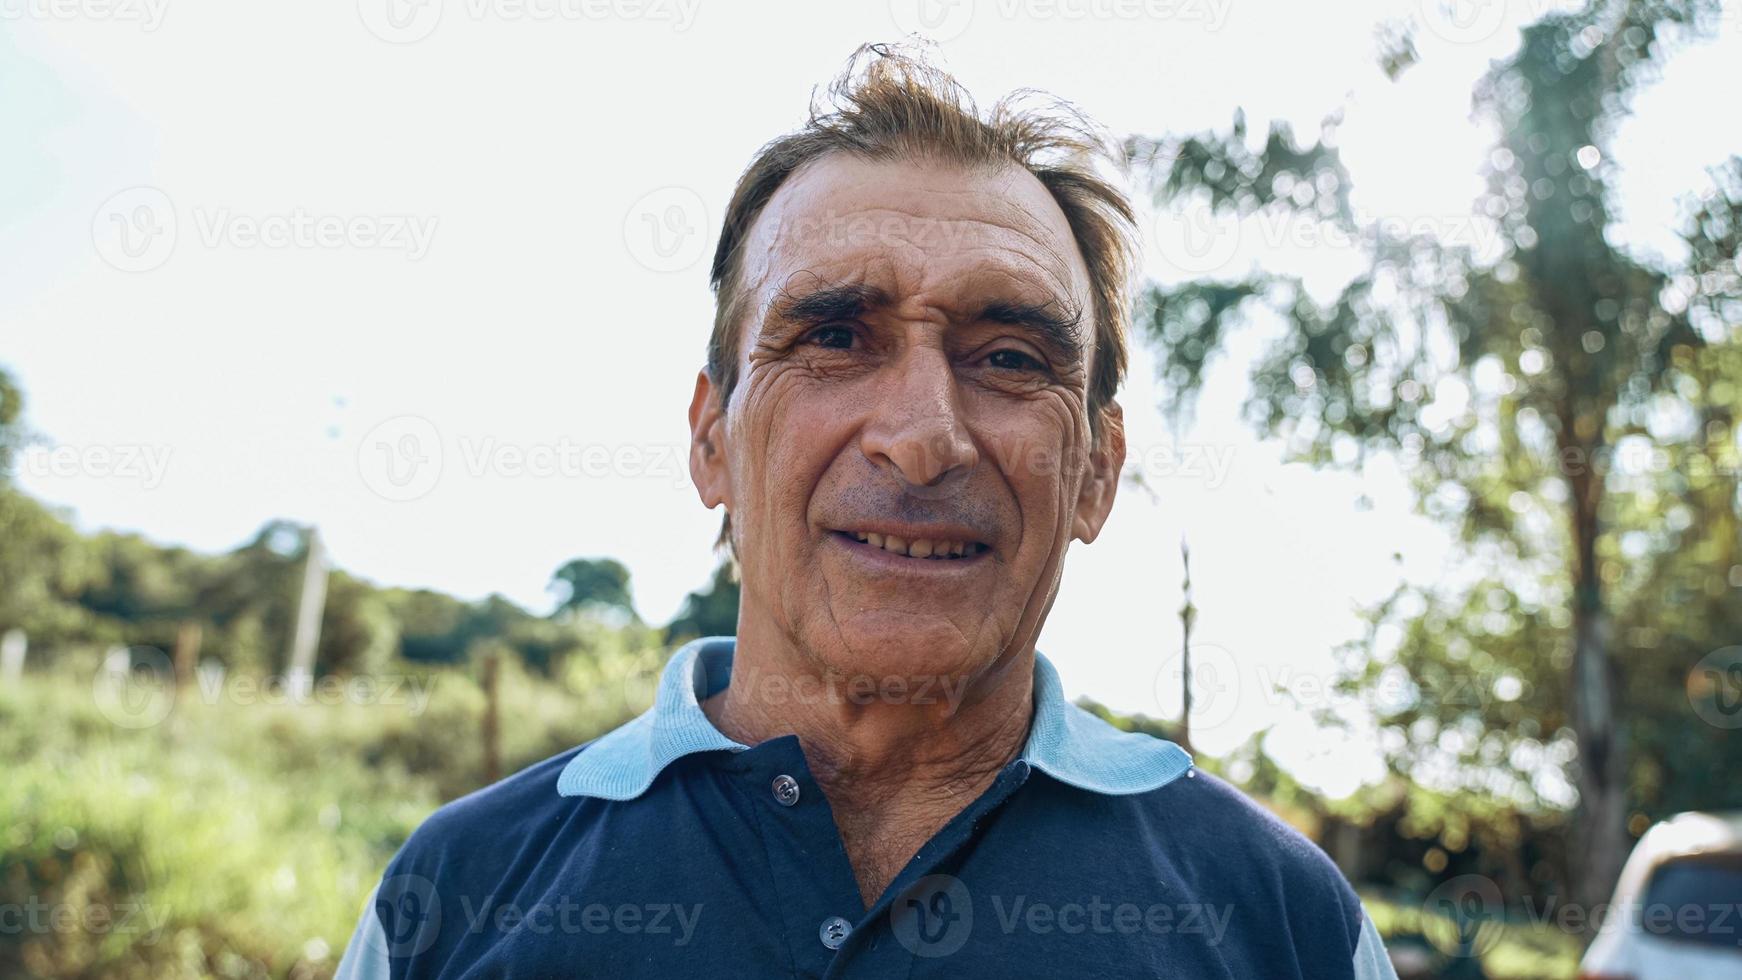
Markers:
point(908, 416)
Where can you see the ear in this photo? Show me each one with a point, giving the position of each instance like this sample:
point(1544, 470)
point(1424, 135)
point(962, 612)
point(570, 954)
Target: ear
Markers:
point(708, 468)
point(1101, 482)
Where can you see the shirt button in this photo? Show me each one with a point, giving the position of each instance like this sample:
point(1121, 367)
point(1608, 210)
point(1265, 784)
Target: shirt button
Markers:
point(786, 791)
point(834, 931)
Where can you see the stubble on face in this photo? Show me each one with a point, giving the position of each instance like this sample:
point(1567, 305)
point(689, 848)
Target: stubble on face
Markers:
point(914, 367)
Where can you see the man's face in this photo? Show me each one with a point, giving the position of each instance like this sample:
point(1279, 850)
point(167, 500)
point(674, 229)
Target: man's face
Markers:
point(907, 453)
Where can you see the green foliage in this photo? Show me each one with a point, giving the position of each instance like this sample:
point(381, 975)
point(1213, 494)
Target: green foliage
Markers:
point(44, 568)
point(11, 423)
point(590, 583)
point(1566, 406)
point(239, 838)
point(712, 611)
point(69, 592)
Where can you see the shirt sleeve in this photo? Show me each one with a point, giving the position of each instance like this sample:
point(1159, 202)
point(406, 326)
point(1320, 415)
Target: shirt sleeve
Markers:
point(366, 955)
point(1371, 961)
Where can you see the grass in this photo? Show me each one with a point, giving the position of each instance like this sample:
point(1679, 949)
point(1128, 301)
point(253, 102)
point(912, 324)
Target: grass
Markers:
point(235, 838)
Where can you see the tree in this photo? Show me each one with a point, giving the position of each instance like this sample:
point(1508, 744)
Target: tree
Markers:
point(359, 634)
point(712, 611)
point(592, 583)
point(1509, 384)
point(12, 432)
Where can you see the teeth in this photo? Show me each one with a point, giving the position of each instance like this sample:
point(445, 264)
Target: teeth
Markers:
point(929, 548)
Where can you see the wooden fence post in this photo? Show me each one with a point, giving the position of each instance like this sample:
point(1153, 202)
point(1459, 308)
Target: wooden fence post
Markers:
point(187, 652)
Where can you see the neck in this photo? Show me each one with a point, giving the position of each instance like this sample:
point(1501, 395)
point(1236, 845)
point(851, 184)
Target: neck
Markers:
point(896, 759)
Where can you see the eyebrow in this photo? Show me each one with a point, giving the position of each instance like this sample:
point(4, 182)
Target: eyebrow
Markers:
point(844, 302)
point(1057, 328)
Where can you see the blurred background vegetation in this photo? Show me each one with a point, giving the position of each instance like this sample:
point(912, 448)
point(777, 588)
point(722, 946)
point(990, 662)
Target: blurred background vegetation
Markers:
point(1566, 406)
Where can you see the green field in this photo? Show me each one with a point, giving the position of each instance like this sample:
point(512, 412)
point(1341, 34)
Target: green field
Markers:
point(237, 837)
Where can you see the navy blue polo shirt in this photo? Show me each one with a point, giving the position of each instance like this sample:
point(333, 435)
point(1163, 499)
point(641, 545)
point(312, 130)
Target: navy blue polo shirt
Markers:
point(665, 849)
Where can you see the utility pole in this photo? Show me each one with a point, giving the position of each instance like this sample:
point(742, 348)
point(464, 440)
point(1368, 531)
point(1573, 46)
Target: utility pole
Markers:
point(306, 637)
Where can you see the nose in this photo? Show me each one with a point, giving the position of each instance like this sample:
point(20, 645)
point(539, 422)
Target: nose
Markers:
point(916, 425)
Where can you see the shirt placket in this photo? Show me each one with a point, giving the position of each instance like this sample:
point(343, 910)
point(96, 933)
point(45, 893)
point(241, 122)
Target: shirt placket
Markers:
point(892, 934)
point(812, 879)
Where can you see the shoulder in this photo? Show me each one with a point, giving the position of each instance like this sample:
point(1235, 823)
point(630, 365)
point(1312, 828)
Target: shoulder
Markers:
point(451, 868)
point(1283, 907)
point(1223, 814)
point(471, 831)
point(1257, 855)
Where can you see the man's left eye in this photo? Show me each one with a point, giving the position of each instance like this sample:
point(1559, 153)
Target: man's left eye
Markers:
point(1014, 360)
point(833, 337)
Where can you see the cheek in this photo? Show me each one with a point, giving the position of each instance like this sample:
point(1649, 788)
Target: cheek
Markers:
point(784, 440)
point(1040, 452)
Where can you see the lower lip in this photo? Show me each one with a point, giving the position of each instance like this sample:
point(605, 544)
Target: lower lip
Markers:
point(888, 561)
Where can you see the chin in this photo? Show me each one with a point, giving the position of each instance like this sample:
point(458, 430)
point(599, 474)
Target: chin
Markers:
point(904, 644)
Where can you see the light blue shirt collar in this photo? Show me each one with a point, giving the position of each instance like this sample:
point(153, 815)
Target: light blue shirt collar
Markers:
point(1064, 741)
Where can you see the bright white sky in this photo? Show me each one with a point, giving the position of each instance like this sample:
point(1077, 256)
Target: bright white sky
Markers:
point(533, 147)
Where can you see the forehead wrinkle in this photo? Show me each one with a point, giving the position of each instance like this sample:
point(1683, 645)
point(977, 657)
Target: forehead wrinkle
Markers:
point(1031, 229)
point(1044, 255)
point(995, 274)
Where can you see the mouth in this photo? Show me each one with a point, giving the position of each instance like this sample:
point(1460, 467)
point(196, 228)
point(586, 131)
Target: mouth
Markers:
point(938, 549)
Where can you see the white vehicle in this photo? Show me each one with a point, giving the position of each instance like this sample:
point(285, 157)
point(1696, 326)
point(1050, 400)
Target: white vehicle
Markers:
point(1677, 910)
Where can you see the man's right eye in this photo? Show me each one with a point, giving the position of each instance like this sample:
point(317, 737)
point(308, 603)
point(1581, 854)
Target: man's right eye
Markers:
point(833, 337)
